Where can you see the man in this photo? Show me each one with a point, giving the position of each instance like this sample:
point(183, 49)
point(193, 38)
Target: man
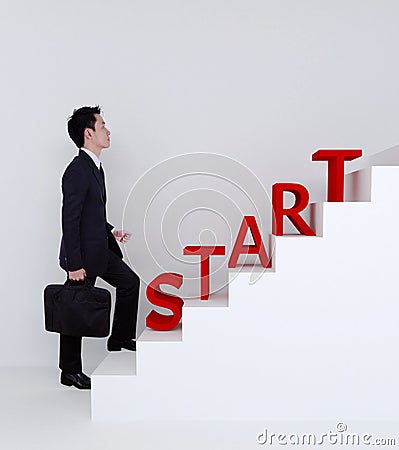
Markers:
point(89, 245)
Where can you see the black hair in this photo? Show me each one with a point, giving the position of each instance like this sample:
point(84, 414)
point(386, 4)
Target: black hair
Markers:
point(81, 119)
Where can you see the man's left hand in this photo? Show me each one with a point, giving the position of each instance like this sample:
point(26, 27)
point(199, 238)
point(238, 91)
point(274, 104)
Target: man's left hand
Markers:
point(122, 235)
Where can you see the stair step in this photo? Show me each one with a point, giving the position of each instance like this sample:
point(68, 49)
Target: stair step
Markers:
point(117, 363)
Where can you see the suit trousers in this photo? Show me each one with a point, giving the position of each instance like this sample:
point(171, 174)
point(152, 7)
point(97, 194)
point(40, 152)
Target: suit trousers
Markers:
point(127, 284)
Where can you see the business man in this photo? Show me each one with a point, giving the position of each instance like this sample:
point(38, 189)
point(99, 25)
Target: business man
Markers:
point(89, 245)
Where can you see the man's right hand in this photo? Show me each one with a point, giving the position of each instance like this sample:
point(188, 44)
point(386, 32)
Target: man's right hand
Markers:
point(77, 275)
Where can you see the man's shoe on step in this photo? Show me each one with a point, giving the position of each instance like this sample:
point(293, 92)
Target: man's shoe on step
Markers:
point(113, 345)
point(79, 380)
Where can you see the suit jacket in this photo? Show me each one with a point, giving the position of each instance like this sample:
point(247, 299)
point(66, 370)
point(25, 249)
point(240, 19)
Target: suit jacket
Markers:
point(86, 234)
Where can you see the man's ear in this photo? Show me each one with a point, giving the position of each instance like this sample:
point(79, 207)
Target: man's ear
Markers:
point(88, 134)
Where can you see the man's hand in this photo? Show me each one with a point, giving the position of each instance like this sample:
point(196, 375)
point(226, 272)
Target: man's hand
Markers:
point(121, 235)
point(77, 275)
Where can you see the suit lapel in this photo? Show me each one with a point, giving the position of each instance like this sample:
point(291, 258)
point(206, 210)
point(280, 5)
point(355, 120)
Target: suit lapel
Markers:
point(96, 173)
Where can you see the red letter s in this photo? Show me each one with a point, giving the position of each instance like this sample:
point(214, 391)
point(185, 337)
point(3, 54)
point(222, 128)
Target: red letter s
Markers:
point(155, 320)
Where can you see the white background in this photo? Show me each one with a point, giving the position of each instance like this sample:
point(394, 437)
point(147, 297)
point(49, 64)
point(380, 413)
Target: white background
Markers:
point(266, 83)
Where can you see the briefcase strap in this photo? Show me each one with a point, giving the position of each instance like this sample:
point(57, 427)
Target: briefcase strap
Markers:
point(86, 283)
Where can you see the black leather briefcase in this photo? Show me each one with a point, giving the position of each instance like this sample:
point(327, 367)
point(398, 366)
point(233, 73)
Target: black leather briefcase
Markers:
point(77, 310)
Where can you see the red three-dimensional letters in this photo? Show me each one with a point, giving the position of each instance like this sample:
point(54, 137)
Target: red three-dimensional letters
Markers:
point(158, 321)
point(204, 252)
point(301, 202)
point(336, 161)
point(249, 222)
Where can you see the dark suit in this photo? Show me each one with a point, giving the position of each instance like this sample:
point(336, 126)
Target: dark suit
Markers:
point(86, 232)
point(87, 242)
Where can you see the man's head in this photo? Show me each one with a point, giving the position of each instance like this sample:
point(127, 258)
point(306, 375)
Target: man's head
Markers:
point(86, 128)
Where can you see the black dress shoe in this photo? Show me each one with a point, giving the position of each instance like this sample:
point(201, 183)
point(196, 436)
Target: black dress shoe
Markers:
point(114, 345)
point(79, 380)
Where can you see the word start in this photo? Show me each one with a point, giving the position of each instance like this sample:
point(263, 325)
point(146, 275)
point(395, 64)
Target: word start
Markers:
point(335, 193)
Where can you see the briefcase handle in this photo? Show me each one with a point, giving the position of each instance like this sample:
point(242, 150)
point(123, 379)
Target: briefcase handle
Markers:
point(86, 283)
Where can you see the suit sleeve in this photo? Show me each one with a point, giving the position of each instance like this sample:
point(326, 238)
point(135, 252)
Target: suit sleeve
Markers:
point(74, 190)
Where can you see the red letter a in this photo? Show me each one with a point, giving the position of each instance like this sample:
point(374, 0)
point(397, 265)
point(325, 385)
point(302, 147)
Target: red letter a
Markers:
point(255, 249)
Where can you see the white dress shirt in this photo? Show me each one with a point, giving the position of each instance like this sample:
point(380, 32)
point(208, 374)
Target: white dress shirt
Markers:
point(94, 157)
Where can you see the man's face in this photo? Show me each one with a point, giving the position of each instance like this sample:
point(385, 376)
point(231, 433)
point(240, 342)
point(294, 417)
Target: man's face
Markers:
point(101, 135)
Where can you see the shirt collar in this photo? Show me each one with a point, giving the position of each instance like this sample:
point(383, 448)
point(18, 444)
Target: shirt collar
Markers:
point(92, 156)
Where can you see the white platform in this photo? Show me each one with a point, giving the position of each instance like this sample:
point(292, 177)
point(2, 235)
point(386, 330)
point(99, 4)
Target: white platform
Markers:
point(37, 413)
point(316, 339)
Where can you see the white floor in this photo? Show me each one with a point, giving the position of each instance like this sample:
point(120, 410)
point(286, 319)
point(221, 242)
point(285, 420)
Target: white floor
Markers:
point(39, 413)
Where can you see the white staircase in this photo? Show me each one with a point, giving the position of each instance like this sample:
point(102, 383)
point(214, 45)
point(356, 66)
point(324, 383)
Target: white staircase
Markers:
point(317, 338)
